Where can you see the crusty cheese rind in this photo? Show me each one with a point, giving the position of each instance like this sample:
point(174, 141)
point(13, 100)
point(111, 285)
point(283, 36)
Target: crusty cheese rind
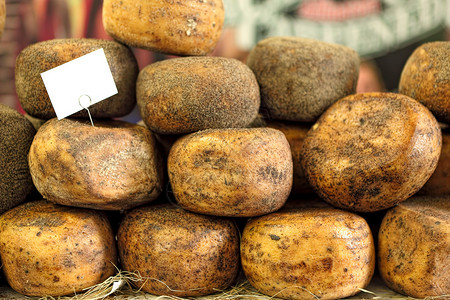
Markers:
point(231, 172)
point(113, 165)
point(308, 253)
point(189, 27)
point(426, 78)
point(370, 151)
point(52, 250)
point(43, 56)
point(438, 182)
point(300, 78)
point(178, 252)
point(414, 247)
point(188, 94)
point(16, 136)
point(295, 134)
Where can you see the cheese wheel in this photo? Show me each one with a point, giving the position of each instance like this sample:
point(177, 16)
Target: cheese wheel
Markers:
point(300, 78)
point(426, 78)
point(177, 252)
point(414, 247)
point(368, 152)
point(188, 94)
point(231, 172)
point(112, 166)
point(189, 27)
point(46, 55)
point(51, 250)
point(16, 136)
point(295, 134)
point(438, 182)
point(310, 253)
point(2, 16)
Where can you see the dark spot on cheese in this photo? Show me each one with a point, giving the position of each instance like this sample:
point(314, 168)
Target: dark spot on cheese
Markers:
point(327, 263)
point(274, 237)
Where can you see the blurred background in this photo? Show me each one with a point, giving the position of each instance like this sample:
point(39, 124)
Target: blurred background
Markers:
point(383, 32)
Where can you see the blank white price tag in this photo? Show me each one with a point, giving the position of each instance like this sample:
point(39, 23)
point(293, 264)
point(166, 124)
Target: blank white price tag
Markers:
point(70, 84)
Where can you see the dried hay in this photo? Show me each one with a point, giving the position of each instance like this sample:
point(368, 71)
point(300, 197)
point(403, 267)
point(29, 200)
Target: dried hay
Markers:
point(122, 286)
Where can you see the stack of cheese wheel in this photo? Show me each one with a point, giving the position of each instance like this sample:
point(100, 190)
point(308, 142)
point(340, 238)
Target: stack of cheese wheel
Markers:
point(299, 252)
point(364, 153)
point(113, 165)
point(48, 249)
point(414, 236)
point(216, 167)
point(426, 78)
point(369, 152)
point(300, 78)
point(239, 139)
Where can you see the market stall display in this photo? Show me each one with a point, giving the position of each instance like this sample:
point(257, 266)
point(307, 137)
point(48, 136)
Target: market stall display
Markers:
point(261, 179)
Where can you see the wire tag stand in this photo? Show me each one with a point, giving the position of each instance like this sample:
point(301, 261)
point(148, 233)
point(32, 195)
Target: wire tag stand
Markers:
point(85, 101)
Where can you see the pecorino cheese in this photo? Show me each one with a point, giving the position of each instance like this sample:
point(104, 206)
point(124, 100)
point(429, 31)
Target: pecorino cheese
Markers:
point(368, 152)
point(112, 166)
point(188, 27)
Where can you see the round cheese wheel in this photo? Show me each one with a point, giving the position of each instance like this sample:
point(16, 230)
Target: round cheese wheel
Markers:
point(52, 250)
point(438, 182)
point(46, 55)
point(414, 247)
point(370, 151)
point(295, 134)
point(189, 27)
point(112, 166)
point(188, 94)
point(16, 136)
point(177, 252)
point(300, 78)
point(231, 172)
point(426, 78)
point(310, 253)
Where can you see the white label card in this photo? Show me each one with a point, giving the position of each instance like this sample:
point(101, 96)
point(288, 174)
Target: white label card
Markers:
point(81, 82)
